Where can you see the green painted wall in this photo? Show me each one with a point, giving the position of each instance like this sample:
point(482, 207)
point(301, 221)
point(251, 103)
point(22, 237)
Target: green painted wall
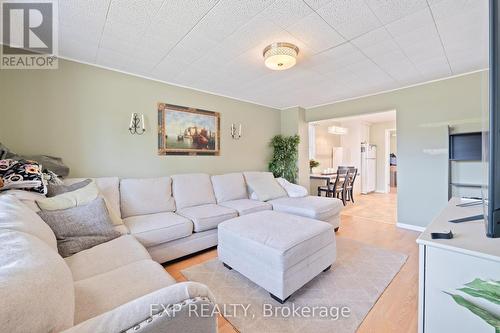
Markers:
point(81, 113)
point(422, 115)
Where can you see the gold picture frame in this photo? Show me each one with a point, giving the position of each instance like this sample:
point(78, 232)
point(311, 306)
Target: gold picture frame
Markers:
point(187, 131)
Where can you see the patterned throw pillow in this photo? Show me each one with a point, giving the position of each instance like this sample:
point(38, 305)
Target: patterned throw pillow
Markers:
point(22, 175)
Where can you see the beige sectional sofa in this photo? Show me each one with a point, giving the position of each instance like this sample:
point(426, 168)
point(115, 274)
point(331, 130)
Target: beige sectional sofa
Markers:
point(112, 287)
point(178, 215)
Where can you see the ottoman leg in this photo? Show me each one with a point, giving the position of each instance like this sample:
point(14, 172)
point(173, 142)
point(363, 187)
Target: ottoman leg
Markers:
point(279, 300)
point(227, 266)
point(327, 269)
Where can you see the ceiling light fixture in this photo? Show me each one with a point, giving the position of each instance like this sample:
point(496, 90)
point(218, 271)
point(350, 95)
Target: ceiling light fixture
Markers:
point(280, 56)
point(337, 130)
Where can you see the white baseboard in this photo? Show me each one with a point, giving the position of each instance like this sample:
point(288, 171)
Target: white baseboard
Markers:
point(410, 227)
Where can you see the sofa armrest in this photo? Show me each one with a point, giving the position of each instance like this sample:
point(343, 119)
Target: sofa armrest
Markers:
point(182, 307)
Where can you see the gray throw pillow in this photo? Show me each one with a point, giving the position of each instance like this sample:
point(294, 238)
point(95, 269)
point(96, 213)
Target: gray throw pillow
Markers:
point(53, 190)
point(81, 227)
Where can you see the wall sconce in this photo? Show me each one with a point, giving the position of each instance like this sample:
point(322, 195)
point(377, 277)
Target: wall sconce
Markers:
point(236, 133)
point(137, 124)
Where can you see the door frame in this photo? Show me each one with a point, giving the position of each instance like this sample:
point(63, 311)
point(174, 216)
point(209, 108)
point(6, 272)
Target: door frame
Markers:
point(387, 159)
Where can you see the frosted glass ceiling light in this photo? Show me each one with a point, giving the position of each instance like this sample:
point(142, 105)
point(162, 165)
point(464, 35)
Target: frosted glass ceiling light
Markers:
point(337, 130)
point(280, 56)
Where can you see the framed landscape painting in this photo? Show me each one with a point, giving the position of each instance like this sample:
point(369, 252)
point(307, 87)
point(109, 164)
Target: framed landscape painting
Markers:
point(187, 131)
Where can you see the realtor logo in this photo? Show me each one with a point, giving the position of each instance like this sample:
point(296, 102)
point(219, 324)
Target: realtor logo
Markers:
point(29, 38)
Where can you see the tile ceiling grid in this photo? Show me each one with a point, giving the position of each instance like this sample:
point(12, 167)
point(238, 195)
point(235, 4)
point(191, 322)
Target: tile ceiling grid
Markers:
point(108, 7)
point(231, 34)
point(384, 26)
point(187, 33)
point(220, 50)
point(440, 38)
point(349, 41)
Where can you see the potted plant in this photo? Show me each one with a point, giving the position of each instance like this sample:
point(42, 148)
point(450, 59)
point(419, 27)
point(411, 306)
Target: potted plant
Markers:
point(285, 157)
point(313, 164)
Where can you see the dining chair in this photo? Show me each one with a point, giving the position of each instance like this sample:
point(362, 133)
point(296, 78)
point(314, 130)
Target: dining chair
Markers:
point(336, 189)
point(351, 178)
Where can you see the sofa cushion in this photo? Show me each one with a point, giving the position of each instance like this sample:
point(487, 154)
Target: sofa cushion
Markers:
point(14, 215)
point(319, 208)
point(266, 236)
point(247, 206)
point(109, 189)
point(70, 199)
point(264, 185)
point(207, 217)
point(106, 257)
point(36, 286)
point(229, 187)
point(146, 196)
point(192, 190)
point(81, 227)
point(104, 292)
point(154, 229)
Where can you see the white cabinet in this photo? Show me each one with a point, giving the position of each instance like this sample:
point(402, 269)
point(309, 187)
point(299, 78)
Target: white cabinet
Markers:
point(447, 265)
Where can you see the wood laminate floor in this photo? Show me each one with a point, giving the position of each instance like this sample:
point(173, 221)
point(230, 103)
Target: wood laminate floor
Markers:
point(396, 309)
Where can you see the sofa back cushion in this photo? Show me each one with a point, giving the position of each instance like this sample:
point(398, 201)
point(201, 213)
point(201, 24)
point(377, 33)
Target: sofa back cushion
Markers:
point(146, 196)
point(264, 185)
point(229, 187)
point(36, 286)
point(192, 190)
point(14, 215)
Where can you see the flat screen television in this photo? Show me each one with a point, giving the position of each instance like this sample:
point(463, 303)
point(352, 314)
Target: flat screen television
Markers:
point(491, 131)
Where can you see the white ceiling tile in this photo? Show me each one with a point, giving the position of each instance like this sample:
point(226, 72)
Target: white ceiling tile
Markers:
point(351, 18)
point(466, 45)
point(417, 23)
point(191, 48)
point(73, 49)
point(229, 15)
point(169, 68)
point(112, 59)
point(391, 10)
point(133, 12)
point(315, 4)
point(338, 57)
point(285, 13)
point(314, 32)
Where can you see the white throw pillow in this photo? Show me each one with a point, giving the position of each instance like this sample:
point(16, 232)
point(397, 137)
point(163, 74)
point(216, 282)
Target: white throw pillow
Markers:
point(264, 185)
point(70, 199)
point(293, 190)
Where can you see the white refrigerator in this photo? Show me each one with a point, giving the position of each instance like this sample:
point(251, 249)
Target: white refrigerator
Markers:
point(368, 168)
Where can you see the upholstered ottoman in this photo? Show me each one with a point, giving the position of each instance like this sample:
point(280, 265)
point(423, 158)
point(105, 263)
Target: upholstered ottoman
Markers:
point(278, 251)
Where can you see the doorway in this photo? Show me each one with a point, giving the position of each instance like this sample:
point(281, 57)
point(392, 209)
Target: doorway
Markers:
point(390, 162)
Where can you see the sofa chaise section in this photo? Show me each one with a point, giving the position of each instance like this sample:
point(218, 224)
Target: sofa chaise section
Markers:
point(319, 208)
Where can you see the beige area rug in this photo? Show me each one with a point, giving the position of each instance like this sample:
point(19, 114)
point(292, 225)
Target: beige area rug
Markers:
point(356, 280)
